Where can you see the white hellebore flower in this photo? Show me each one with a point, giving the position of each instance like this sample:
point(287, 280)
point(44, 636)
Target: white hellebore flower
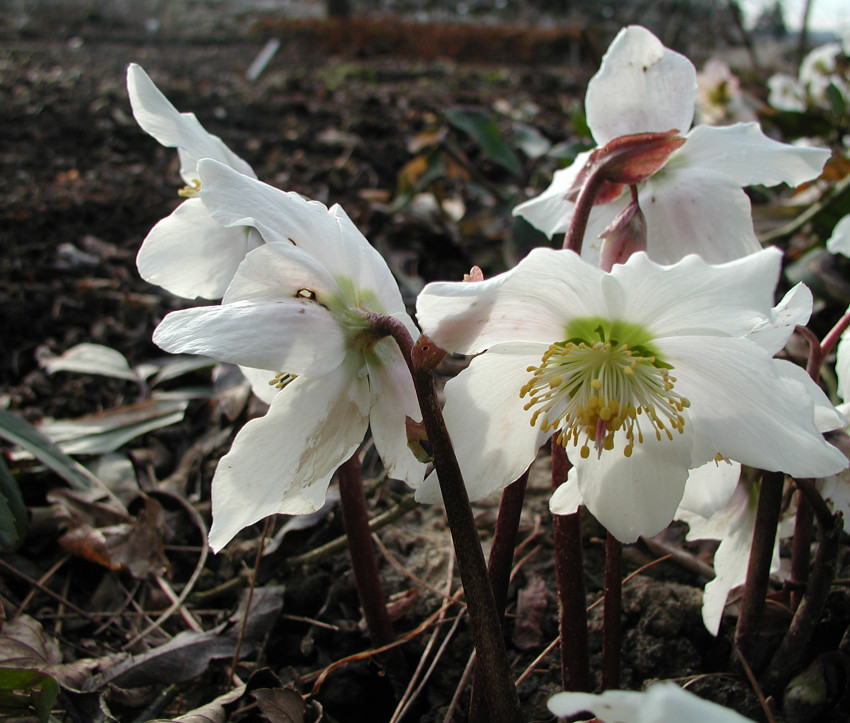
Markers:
point(642, 373)
point(304, 320)
point(660, 703)
point(695, 203)
point(187, 253)
point(839, 241)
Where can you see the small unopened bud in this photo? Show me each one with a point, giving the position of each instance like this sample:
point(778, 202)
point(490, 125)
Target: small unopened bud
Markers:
point(475, 274)
point(625, 161)
point(625, 235)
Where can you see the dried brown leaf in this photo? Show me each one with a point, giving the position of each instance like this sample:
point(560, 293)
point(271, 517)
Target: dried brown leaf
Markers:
point(531, 608)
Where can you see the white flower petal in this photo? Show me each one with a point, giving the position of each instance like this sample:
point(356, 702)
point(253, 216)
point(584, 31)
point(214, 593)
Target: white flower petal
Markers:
point(661, 703)
point(191, 255)
point(839, 241)
point(637, 495)
point(749, 157)
point(566, 499)
point(733, 525)
point(282, 463)
point(296, 336)
point(393, 399)
point(794, 310)
point(827, 417)
point(160, 119)
point(550, 212)
point(531, 302)
point(641, 87)
point(786, 93)
point(709, 488)
point(259, 380)
point(751, 413)
point(489, 428)
point(691, 210)
point(695, 297)
point(328, 235)
point(280, 271)
point(842, 365)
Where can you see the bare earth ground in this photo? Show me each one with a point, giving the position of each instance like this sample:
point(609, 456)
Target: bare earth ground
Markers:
point(80, 188)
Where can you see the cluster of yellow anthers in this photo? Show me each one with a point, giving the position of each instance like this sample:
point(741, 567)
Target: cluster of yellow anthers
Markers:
point(281, 379)
point(594, 390)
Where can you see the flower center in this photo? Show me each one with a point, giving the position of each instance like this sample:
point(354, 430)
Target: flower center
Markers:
point(592, 390)
point(281, 380)
point(192, 190)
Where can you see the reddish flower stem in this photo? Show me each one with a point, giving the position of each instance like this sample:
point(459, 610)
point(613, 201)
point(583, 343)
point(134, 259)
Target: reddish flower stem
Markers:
point(800, 550)
point(355, 517)
point(758, 570)
point(612, 613)
point(569, 580)
point(491, 655)
point(499, 567)
point(581, 211)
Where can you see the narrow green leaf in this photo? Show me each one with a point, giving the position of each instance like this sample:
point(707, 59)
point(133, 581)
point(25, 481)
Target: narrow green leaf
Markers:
point(22, 690)
point(20, 432)
point(14, 519)
point(485, 132)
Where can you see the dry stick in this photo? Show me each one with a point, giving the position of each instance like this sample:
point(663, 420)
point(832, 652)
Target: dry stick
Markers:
point(267, 528)
point(569, 580)
point(756, 687)
point(612, 613)
point(355, 517)
point(42, 581)
point(758, 569)
point(422, 358)
point(499, 567)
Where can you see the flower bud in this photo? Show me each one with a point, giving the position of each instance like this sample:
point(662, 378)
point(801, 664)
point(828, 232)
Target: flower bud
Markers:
point(625, 235)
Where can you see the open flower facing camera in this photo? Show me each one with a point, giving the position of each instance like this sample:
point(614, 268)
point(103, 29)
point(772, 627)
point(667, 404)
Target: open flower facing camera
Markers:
point(642, 373)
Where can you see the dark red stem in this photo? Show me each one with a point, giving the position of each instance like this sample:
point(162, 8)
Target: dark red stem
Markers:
point(569, 580)
point(758, 570)
point(355, 517)
point(612, 613)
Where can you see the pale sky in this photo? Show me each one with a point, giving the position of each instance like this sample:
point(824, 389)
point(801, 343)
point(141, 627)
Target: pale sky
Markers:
point(824, 14)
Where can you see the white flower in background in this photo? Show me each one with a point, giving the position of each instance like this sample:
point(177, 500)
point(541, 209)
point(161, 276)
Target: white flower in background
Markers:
point(695, 203)
point(642, 373)
point(720, 99)
point(822, 68)
point(660, 703)
point(287, 312)
point(839, 241)
point(187, 253)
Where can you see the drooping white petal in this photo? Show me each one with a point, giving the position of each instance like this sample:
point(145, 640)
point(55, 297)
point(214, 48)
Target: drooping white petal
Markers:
point(827, 417)
point(749, 411)
point(490, 430)
point(641, 87)
point(393, 399)
point(296, 336)
point(695, 297)
point(749, 157)
point(282, 463)
point(191, 255)
point(550, 212)
point(530, 303)
point(160, 119)
point(278, 271)
point(691, 210)
point(661, 703)
point(637, 495)
point(709, 488)
point(839, 241)
point(733, 525)
point(794, 310)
